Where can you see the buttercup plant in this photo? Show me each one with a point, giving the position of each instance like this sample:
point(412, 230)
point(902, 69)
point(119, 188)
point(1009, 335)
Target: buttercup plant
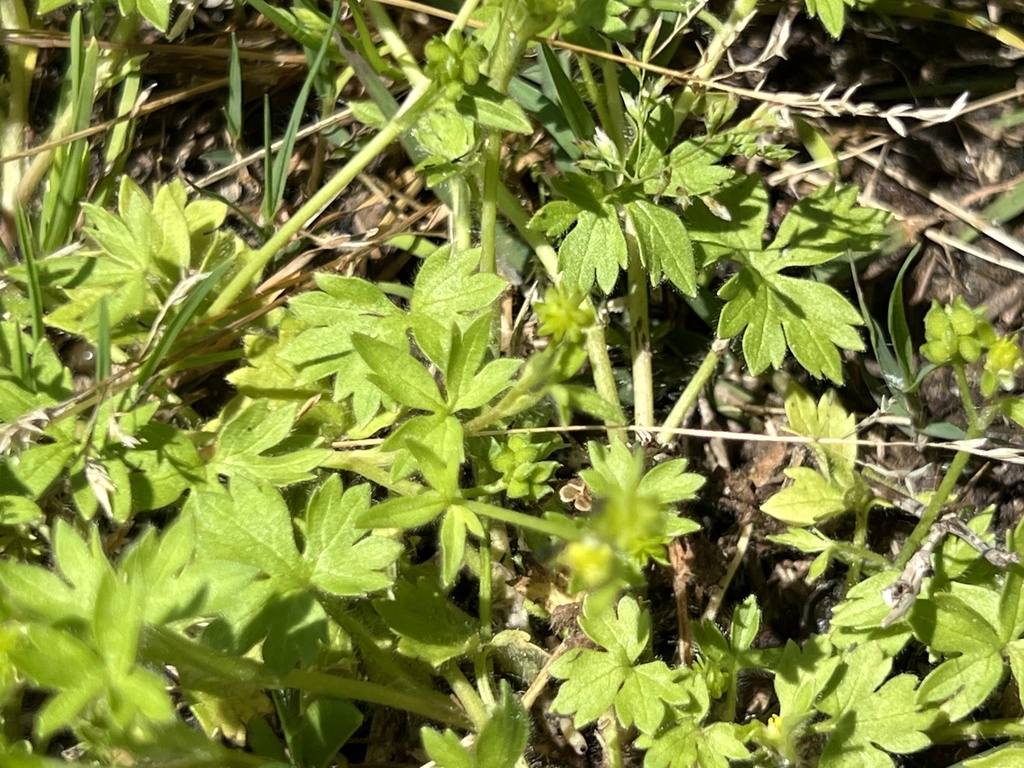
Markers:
point(288, 497)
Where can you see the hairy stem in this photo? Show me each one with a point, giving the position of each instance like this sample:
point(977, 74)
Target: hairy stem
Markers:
point(639, 335)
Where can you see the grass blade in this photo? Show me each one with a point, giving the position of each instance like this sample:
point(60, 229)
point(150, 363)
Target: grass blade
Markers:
point(27, 243)
point(181, 319)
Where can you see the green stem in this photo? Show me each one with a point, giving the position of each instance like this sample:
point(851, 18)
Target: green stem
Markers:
point(612, 740)
point(935, 504)
point(374, 465)
point(394, 41)
point(435, 707)
point(639, 334)
point(983, 730)
point(461, 214)
point(965, 396)
point(976, 426)
point(379, 662)
point(725, 35)
point(594, 92)
point(604, 378)
point(485, 584)
point(597, 347)
point(21, 65)
point(616, 125)
point(417, 102)
point(513, 210)
point(689, 397)
point(860, 537)
point(466, 694)
point(559, 528)
point(489, 202)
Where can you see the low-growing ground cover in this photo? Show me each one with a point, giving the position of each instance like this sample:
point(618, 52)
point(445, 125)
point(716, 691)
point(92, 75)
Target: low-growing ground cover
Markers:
point(522, 383)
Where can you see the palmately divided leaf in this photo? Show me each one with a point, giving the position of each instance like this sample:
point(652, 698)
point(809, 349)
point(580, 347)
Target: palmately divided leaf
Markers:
point(249, 525)
point(431, 626)
point(397, 374)
point(808, 501)
point(252, 432)
point(594, 250)
point(773, 310)
point(592, 679)
point(345, 559)
point(826, 224)
point(449, 284)
point(625, 630)
point(664, 245)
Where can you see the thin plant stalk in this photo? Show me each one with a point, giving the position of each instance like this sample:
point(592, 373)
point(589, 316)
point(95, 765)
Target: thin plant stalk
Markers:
point(976, 426)
point(639, 334)
point(466, 694)
point(689, 397)
point(725, 34)
point(21, 65)
point(416, 103)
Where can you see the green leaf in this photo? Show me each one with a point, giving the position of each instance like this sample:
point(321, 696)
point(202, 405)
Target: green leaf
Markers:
point(831, 12)
point(452, 538)
point(808, 501)
point(646, 696)
point(595, 249)
point(885, 715)
point(429, 625)
point(826, 419)
point(775, 311)
point(489, 382)
point(398, 375)
point(250, 525)
point(554, 218)
point(592, 680)
point(693, 170)
point(164, 464)
point(626, 629)
point(961, 684)
point(800, 676)
point(39, 466)
point(487, 107)
point(746, 621)
point(670, 482)
point(253, 431)
point(117, 620)
point(18, 510)
point(403, 511)
point(567, 97)
point(445, 750)
point(686, 745)
point(502, 740)
point(826, 224)
point(326, 725)
point(449, 285)
point(343, 559)
point(664, 245)
point(947, 624)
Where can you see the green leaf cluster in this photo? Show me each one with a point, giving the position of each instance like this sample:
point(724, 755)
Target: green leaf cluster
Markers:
point(666, 706)
point(635, 517)
point(143, 262)
point(835, 487)
point(773, 310)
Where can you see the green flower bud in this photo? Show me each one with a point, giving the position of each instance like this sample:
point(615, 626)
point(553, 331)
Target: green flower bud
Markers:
point(962, 318)
point(970, 349)
point(1001, 365)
